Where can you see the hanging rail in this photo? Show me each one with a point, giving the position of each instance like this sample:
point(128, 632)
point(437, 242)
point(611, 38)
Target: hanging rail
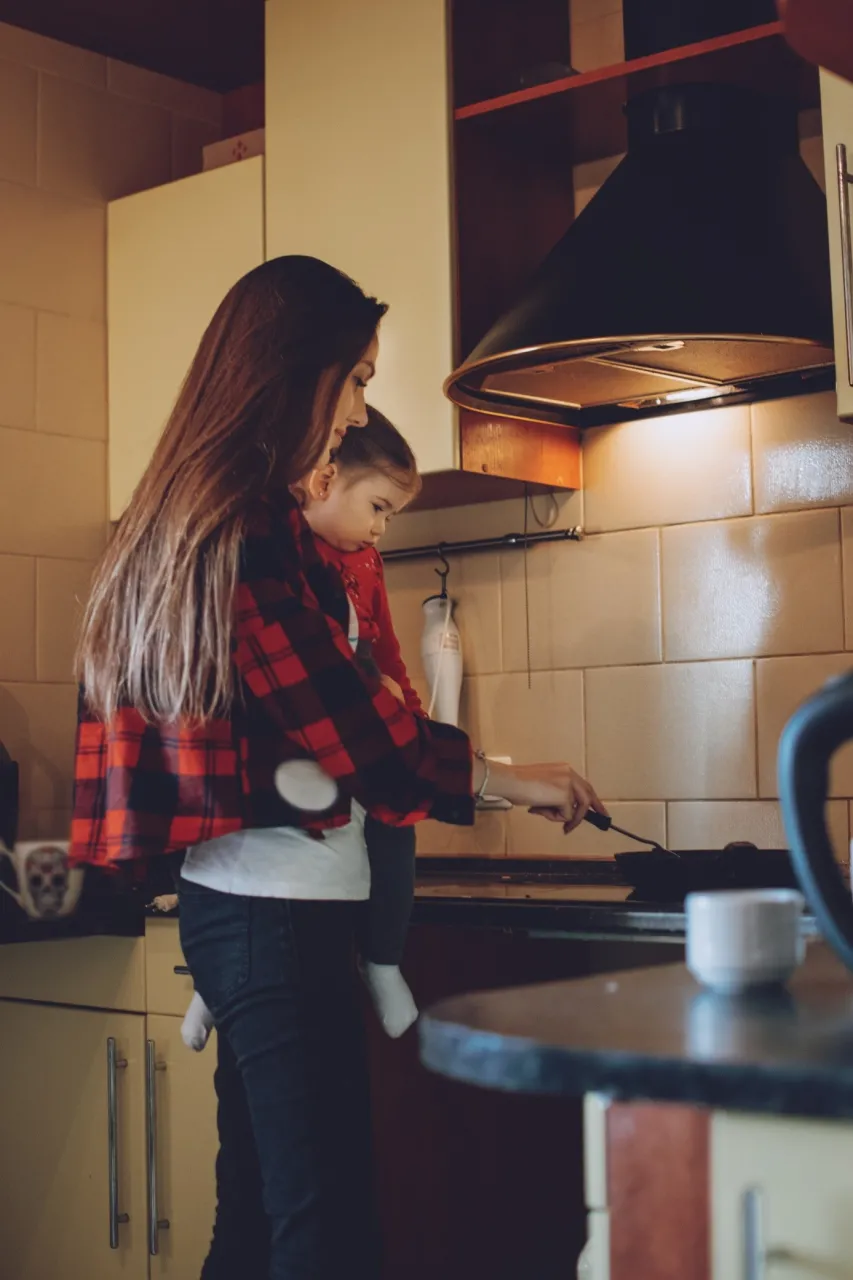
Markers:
point(506, 542)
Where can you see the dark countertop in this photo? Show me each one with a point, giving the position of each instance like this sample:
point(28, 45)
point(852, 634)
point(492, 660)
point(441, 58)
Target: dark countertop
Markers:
point(572, 898)
point(654, 1034)
point(568, 898)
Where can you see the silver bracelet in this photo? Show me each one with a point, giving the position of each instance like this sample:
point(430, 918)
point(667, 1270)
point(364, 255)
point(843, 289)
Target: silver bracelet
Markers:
point(481, 790)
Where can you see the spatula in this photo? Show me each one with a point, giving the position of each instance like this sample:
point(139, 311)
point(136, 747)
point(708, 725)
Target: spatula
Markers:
point(607, 824)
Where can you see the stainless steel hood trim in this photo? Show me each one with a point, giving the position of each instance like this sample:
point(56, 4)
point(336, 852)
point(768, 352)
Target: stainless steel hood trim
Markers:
point(526, 357)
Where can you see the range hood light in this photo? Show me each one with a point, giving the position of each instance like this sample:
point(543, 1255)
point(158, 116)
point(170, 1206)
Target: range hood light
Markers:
point(698, 393)
point(686, 396)
point(675, 345)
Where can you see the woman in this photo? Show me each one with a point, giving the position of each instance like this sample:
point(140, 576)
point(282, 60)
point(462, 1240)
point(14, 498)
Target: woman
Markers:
point(214, 649)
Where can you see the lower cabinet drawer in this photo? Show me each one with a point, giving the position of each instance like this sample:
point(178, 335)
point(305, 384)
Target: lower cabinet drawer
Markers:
point(98, 973)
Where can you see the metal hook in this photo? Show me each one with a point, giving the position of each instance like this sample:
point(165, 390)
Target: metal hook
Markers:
point(444, 572)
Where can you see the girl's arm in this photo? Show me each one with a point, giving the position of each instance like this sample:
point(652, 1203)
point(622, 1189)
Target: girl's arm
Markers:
point(386, 649)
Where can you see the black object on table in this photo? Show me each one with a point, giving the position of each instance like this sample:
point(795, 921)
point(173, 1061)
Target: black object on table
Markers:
point(654, 1034)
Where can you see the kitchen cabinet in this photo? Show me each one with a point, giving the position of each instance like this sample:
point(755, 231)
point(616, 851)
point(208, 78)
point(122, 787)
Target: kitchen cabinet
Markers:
point(836, 101)
point(172, 254)
point(184, 1146)
point(54, 1114)
point(781, 1198)
point(680, 1193)
point(360, 171)
point(55, 1201)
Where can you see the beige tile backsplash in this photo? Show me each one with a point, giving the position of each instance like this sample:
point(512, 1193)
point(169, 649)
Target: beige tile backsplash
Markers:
point(597, 604)
point(17, 366)
point(74, 132)
point(670, 646)
point(97, 146)
point(71, 389)
point(738, 588)
point(62, 587)
point(19, 113)
point(678, 731)
point(17, 618)
point(847, 561)
point(781, 685)
point(670, 470)
point(803, 455)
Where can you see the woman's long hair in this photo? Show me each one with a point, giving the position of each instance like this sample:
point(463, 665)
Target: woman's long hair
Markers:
point(254, 414)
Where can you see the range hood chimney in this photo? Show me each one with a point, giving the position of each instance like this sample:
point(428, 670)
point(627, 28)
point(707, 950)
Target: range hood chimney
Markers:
point(698, 274)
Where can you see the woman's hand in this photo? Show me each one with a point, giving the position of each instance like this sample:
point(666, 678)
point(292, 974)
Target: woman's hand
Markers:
point(553, 791)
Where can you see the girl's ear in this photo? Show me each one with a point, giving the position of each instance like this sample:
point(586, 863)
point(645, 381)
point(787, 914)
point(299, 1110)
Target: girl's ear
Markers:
point(318, 485)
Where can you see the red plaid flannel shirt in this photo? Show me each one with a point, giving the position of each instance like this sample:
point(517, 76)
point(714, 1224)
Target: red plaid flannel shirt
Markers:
point(144, 789)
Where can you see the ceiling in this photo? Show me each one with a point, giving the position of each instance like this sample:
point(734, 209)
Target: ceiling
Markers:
point(215, 43)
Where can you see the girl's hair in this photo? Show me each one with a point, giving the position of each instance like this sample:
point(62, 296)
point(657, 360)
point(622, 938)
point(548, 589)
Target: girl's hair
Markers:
point(379, 447)
point(253, 414)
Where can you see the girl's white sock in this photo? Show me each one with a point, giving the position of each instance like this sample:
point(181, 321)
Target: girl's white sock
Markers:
point(391, 997)
point(197, 1024)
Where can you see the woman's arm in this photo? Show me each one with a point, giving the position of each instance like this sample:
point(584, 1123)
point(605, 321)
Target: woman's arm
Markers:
point(296, 660)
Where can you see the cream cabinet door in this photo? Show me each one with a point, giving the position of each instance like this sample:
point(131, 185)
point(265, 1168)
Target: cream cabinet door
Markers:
point(172, 255)
point(184, 1150)
point(836, 104)
point(58, 1143)
point(358, 172)
point(782, 1199)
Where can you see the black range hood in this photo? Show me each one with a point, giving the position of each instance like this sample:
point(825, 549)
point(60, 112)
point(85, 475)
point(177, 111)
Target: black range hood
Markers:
point(697, 276)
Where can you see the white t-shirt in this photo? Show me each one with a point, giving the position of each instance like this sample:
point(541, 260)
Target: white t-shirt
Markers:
point(286, 862)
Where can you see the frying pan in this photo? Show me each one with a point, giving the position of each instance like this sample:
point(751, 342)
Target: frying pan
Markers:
point(667, 875)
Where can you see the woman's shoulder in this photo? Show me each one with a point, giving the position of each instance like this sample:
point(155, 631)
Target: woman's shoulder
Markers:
point(273, 541)
point(280, 562)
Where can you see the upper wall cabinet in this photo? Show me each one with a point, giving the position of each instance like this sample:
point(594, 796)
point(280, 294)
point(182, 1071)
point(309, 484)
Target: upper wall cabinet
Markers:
point(836, 102)
point(173, 253)
point(362, 170)
point(358, 173)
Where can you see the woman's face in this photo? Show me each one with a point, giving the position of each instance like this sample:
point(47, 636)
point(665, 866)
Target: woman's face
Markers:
point(350, 411)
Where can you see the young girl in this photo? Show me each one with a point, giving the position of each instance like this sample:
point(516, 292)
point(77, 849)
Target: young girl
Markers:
point(348, 505)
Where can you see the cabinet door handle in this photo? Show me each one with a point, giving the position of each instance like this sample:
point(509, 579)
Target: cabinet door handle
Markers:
point(845, 178)
point(752, 1217)
point(114, 1065)
point(182, 970)
point(156, 1224)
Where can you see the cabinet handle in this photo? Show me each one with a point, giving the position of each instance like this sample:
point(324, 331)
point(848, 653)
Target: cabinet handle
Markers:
point(156, 1224)
point(182, 970)
point(845, 178)
point(114, 1065)
point(754, 1254)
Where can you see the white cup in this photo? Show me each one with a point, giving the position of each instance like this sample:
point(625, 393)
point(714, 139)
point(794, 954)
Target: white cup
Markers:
point(737, 941)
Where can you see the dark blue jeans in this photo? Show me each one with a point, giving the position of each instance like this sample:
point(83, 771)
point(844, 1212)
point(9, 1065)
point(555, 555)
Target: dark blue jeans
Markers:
point(294, 1176)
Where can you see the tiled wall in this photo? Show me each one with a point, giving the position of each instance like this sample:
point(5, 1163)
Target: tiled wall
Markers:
point(713, 591)
point(76, 130)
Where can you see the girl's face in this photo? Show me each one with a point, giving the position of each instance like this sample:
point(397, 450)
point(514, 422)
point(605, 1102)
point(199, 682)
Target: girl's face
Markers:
point(350, 411)
point(350, 512)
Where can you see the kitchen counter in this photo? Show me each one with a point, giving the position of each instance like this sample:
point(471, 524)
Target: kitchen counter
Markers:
point(654, 1034)
point(572, 899)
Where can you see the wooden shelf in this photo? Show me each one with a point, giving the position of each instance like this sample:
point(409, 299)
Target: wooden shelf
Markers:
point(501, 458)
point(589, 106)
